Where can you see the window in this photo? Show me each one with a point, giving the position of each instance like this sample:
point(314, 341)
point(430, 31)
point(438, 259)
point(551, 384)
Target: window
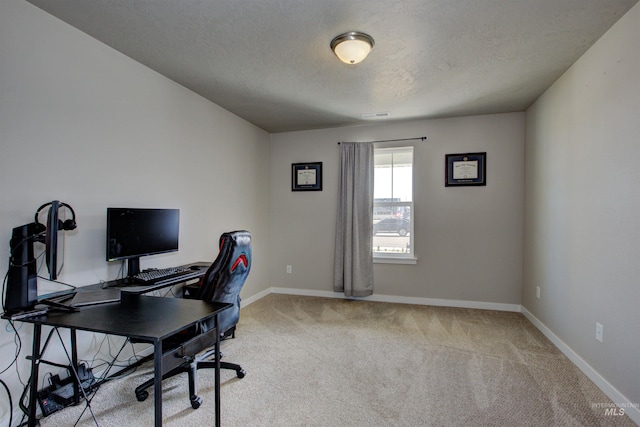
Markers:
point(393, 204)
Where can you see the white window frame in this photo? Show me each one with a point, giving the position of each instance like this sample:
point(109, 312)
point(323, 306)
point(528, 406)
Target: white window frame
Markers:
point(400, 257)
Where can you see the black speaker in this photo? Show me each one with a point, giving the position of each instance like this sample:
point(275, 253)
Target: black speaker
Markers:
point(22, 289)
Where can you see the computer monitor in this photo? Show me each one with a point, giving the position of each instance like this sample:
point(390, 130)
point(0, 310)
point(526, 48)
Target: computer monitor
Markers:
point(51, 240)
point(53, 226)
point(136, 232)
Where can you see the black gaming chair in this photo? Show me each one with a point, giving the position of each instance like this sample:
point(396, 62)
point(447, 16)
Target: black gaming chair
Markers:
point(221, 283)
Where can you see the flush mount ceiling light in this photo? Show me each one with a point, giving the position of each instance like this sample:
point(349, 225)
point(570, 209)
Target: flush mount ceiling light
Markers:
point(352, 47)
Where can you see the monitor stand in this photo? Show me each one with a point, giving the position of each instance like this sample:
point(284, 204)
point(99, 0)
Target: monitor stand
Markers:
point(133, 267)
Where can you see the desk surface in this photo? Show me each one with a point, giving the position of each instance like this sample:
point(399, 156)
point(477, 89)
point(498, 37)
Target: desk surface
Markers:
point(142, 317)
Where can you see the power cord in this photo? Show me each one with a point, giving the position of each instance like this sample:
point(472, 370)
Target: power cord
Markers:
point(58, 282)
point(10, 402)
point(18, 342)
point(4, 284)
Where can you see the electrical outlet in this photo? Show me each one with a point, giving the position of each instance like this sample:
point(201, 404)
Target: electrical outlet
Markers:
point(289, 269)
point(599, 332)
point(538, 292)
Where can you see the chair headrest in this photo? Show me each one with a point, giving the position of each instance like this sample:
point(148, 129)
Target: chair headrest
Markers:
point(238, 245)
point(239, 237)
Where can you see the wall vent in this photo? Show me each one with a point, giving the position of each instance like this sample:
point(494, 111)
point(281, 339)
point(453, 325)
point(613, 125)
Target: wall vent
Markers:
point(374, 116)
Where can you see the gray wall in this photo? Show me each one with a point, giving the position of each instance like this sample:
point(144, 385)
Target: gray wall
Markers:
point(468, 240)
point(84, 124)
point(582, 228)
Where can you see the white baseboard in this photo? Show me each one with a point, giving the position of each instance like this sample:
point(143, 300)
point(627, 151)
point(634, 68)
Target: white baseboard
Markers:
point(255, 297)
point(400, 300)
point(631, 409)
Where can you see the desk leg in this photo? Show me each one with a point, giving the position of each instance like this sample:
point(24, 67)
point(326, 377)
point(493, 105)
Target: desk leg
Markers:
point(33, 382)
point(217, 374)
point(74, 364)
point(157, 382)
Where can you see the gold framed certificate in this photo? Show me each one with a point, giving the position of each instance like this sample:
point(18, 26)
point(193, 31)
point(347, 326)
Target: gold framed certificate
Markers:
point(465, 169)
point(306, 176)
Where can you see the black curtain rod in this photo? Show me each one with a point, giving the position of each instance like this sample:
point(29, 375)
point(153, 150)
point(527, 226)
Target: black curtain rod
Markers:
point(421, 138)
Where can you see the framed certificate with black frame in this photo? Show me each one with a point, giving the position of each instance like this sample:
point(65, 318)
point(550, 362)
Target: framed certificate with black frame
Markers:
point(306, 176)
point(467, 169)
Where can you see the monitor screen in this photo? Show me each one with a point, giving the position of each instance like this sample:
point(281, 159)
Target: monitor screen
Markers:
point(51, 240)
point(136, 232)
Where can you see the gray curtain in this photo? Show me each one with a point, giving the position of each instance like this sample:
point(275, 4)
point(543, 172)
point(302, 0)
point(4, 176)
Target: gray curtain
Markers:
point(353, 269)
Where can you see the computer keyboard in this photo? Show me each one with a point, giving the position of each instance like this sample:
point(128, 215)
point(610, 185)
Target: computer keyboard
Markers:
point(163, 274)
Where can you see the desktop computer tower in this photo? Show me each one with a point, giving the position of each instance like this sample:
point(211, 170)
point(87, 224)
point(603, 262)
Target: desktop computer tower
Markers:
point(22, 287)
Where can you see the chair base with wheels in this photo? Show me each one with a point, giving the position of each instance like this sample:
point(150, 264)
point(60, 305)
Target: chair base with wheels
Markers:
point(191, 367)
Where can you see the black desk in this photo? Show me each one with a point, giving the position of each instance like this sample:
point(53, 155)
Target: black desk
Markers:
point(144, 318)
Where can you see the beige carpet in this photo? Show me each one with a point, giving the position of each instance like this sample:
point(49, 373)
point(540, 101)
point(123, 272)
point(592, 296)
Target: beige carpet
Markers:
point(330, 362)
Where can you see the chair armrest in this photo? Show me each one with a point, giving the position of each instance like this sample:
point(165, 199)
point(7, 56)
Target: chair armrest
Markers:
point(197, 344)
point(187, 350)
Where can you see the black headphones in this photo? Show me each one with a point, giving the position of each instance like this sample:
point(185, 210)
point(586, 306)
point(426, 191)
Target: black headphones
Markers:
point(69, 224)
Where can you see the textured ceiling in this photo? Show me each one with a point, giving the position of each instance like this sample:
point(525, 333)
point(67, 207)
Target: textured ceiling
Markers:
point(269, 61)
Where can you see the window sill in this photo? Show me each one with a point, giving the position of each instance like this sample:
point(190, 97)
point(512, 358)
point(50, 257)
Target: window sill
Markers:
point(394, 260)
